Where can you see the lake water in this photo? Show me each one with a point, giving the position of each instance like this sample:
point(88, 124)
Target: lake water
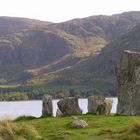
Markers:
point(14, 109)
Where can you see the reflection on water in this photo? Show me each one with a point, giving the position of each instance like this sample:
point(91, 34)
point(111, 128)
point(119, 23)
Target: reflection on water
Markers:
point(114, 106)
point(83, 104)
point(14, 109)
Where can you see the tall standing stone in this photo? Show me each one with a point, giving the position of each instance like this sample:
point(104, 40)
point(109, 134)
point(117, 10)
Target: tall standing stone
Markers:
point(69, 106)
point(94, 102)
point(47, 106)
point(128, 77)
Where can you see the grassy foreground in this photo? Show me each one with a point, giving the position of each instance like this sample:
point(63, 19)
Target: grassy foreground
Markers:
point(99, 128)
point(12, 131)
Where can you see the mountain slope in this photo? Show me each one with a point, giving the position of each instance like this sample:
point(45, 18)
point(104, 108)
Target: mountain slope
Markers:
point(99, 70)
point(109, 27)
point(34, 49)
point(89, 35)
point(9, 25)
point(96, 70)
point(112, 52)
point(29, 49)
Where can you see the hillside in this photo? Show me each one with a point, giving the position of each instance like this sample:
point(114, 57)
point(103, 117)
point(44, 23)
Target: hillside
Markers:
point(111, 53)
point(9, 25)
point(100, 70)
point(37, 52)
point(95, 70)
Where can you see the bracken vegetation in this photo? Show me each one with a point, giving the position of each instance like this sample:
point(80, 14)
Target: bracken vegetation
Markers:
point(12, 131)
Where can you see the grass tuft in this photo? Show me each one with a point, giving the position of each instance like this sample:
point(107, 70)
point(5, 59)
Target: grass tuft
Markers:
point(136, 128)
point(12, 131)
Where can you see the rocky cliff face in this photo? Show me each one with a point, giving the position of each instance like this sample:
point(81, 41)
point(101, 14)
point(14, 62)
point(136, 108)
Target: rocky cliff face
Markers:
point(128, 77)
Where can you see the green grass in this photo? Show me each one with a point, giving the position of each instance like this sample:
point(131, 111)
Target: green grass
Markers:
point(99, 128)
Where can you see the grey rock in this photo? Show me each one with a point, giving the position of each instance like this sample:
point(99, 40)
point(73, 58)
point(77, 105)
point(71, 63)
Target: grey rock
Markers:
point(79, 123)
point(94, 102)
point(69, 106)
point(128, 78)
point(47, 105)
point(58, 113)
point(105, 107)
point(108, 106)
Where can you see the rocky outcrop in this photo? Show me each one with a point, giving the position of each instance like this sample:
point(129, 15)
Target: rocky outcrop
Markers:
point(94, 102)
point(47, 105)
point(128, 77)
point(69, 106)
point(105, 107)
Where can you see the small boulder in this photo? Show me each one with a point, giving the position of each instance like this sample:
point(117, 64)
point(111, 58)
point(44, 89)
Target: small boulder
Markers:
point(69, 106)
point(47, 105)
point(76, 123)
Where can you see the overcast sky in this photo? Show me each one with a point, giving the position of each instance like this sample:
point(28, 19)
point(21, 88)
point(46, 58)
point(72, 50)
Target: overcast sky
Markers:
point(63, 10)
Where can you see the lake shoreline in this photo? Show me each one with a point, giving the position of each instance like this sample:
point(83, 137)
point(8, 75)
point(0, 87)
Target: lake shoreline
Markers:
point(14, 109)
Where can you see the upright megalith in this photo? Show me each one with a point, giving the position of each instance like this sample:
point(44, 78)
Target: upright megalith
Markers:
point(94, 102)
point(47, 105)
point(105, 107)
point(69, 106)
point(128, 77)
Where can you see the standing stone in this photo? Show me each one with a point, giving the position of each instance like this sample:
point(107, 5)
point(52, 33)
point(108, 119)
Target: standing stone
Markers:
point(47, 105)
point(108, 106)
point(69, 106)
point(128, 77)
point(94, 102)
point(105, 107)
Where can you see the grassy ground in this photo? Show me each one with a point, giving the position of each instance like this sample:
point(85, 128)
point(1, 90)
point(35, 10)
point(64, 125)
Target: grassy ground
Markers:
point(99, 128)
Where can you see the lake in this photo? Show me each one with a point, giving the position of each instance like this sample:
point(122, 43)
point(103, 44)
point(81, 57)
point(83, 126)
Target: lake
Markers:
point(14, 109)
